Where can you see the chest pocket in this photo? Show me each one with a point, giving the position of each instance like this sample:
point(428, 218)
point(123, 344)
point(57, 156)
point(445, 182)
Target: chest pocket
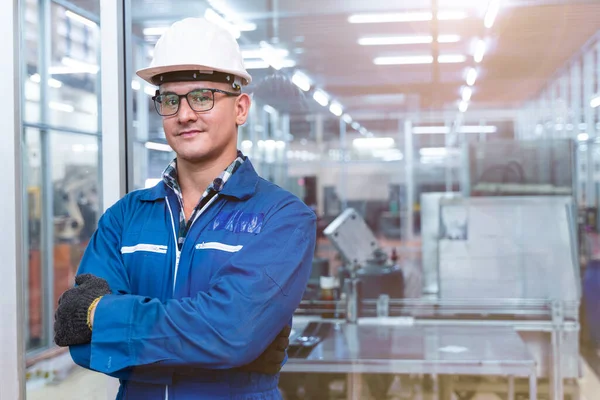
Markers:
point(148, 258)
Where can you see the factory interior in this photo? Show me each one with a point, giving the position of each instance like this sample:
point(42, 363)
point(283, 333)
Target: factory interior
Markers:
point(449, 148)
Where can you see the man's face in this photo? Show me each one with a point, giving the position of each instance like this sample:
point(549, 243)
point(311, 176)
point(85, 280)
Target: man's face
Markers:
point(205, 136)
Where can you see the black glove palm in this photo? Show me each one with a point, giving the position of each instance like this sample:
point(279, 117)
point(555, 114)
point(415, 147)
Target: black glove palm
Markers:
point(70, 319)
point(269, 362)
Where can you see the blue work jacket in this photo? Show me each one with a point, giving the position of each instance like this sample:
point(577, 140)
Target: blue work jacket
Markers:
point(178, 323)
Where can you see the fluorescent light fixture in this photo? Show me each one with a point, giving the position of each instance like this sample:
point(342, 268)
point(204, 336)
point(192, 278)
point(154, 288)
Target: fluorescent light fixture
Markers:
point(463, 106)
point(280, 144)
point(403, 60)
point(301, 80)
point(363, 130)
point(479, 51)
point(247, 144)
point(448, 39)
point(55, 83)
point(582, 137)
point(433, 151)
point(150, 183)
point(158, 146)
point(269, 54)
point(347, 118)
point(595, 102)
point(471, 76)
point(72, 66)
point(269, 109)
point(373, 143)
point(355, 125)
point(155, 31)
point(321, 97)
point(478, 129)
point(491, 14)
point(246, 26)
point(390, 17)
point(336, 109)
point(420, 130)
point(61, 107)
point(149, 90)
point(214, 17)
point(78, 148)
point(76, 17)
point(135, 85)
point(394, 40)
point(451, 15)
point(452, 58)
point(467, 92)
point(258, 53)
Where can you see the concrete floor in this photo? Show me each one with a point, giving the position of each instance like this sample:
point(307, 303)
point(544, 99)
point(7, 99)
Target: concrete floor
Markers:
point(82, 384)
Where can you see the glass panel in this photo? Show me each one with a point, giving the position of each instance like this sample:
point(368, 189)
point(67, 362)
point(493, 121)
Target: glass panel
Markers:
point(36, 321)
point(31, 38)
point(73, 66)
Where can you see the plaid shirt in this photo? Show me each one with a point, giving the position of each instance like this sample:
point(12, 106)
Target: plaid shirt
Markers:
point(170, 179)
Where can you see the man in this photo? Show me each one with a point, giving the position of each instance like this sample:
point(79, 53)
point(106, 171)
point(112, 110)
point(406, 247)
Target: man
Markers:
point(184, 283)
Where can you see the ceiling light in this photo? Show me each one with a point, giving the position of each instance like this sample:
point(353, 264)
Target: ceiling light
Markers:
point(158, 146)
point(432, 130)
point(269, 109)
point(595, 102)
point(471, 76)
point(55, 83)
point(433, 151)
point(71, 66)
point(336, 109)
point(373, 143)
point(61, 107)
point(451, 58)
point(390, 17)
point(214, 17)
point(35, 78)
point(261, 64)
point(149, 90)
point(394, 40)
point(463, 106)
point(271, 55)
point(492, 13)
point(76, 17)
point(155, 31)
point(355, 125)
point(479, 51)
point(403, 60)
point(363, 130)
point(246, 26)
point(582, 137)
point(301, 80)
point(451, 15)
point(448, 39)
point(347, 118)
point(467, 92)
point(257, 53)
point(321, 97)
point(135, 85)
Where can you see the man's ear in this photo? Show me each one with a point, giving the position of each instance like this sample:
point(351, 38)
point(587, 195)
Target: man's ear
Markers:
point(242, 108)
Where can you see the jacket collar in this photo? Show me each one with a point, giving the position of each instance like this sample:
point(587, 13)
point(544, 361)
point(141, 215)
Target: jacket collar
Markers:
point(241, 185)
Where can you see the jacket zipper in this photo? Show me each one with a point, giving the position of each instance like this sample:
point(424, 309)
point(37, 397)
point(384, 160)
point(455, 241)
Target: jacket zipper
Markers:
point(178, 252)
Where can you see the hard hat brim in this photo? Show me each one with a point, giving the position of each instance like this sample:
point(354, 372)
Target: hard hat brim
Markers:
point(148, 73)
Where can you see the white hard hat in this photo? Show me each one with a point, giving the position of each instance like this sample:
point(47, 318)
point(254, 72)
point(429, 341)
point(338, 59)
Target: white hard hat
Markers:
point(196, 49)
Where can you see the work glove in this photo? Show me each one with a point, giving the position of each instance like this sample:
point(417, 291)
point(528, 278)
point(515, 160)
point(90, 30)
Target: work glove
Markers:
point(269, 362)
point(71, 317)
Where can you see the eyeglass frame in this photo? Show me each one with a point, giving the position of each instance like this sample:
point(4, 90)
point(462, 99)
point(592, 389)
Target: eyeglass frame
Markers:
point(180, 96)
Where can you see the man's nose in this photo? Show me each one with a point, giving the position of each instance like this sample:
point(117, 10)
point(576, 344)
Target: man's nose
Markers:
point(185, 112)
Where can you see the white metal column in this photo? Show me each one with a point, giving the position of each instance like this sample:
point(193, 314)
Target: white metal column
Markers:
point(12, 349)
point(114, 105)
